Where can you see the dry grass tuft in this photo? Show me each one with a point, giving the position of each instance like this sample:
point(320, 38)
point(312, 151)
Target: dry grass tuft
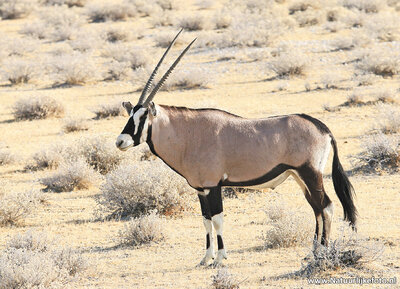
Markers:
point(136, 58)
point(32, 260)
point(367, 6)
point(289, 64)
point(143, 230)
point(74, 124)
point(118, 71)
point(14, 9)
point(6, 157)
point(110, 12)
point(70, 176)
point(17, 70)
point(109, 110)
point(389, 119)
point(288, 229)
point(137, 188)
point(224, 280)
point(189, 78)
point(37, 107)
point(349, 251)
point(69, 3)
point(381, 153)
point(192, 23)
point(384, 62)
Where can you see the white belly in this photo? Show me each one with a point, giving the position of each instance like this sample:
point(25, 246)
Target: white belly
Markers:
point(272, 184)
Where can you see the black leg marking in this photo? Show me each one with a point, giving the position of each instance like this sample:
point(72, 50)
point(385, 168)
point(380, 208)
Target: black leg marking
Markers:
point(208, 241)
point(220, 242)
point(205, 207)
point(214, 199)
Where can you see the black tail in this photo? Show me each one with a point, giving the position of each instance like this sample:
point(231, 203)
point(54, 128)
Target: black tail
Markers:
point(343, 188)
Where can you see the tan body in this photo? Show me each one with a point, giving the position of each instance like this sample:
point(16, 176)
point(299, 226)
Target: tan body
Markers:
point(207, 148)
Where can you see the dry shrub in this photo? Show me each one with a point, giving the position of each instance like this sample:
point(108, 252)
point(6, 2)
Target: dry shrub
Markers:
point(143, 230)
point(367, 6)
point(109, 110)
point(17, 47)
point(14, 9)
point(110, 12)
point(6, 157)
point(69, 3)
point(153, 7)
point(17, 70)
point(74, 69)
point(354, 99)
point(74, 124)
point(222, 20)
point(388, 119)
point(32, 260)
point(189, 78)
point(383, 26)
point(384, 62)
point(224, 280)
point(301, 6)
point(308, 18)
point(118, 71)
point(289, 64)
point(348, 251)
point(137, 188)
point(70, 176)
point(288, 229)
point(16, 206)
point(164, 39)
point(116, 35)
point(135, 57)
point(204, 4)
point(380, 153)
point(37, 107)
point(192, 22)
point(52, 156)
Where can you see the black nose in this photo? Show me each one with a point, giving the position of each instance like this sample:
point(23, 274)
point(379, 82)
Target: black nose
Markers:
point(119, 143)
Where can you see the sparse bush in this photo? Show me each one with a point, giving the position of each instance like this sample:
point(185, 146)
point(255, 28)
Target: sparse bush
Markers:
point(301, 6)
point(308, 18)
point(164, 39)
point(188, 79)
point(289, 64)
point(389, 119)
point(136, 58)
point(192, 23)
point(32, 260)
point(116, 35)
point(204, 4)
point(143, 230)
point(6, 157)
point(381, 153)
point(75, 69)
point(118, 71)
point(384, 26)
point(16, 206)
point(222, 20)
point(137, 188)
point(354, 99)
point(347, 251)
point(288, 229)
point(69, 3)
point(224, 280)
point(17, 70)
point(13, 9)
point(367, 6)
point(76, 175)
point(110, 12)
point(109, 110)
point(37, 107)
point(52, 156)
point(384, 62)
point(74, 124)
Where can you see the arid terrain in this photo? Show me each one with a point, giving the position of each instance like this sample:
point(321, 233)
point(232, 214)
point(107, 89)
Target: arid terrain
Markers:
point(67, 65)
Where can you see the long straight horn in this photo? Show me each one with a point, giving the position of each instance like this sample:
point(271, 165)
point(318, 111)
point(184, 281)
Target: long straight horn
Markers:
point(153, 74)
point(165, 76)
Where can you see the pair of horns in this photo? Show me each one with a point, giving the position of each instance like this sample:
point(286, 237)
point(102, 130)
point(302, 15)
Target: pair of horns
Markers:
point(146, 102)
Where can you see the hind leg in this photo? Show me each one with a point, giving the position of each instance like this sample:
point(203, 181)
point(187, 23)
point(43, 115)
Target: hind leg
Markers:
point(311, 182)
point(206, 212)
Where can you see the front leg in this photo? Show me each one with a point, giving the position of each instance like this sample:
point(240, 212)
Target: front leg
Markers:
point(217, 217)
point(205, 210)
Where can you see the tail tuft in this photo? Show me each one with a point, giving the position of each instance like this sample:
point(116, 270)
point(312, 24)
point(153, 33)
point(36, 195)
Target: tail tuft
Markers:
point(343, 188)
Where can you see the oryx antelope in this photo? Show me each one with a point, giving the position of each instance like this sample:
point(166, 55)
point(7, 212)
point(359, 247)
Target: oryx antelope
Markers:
point(212, 148)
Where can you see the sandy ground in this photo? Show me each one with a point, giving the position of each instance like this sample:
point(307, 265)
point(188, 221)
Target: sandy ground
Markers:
point(240, 86)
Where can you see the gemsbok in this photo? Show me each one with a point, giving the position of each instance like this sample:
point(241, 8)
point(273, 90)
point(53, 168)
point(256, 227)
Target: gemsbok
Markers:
point(212, 148)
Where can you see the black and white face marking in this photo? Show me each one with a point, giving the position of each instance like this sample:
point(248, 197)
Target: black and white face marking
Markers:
point(135, 131)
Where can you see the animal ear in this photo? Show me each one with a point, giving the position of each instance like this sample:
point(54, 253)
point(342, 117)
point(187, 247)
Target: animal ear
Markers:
point(128, 106)
point(152, 109)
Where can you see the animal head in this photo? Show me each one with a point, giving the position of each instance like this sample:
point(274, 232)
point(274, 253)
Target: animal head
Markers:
point(135, 131)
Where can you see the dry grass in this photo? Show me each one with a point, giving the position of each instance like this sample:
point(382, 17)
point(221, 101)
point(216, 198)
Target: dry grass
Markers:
point(17, 70)
point(16, 206)
point(33, 260)
point(380, 153)
point(192, 23)
point(389, 119)
point(118, 71)
point(75, 69)
point(37, 107)
point(110, 12)
point(224, 280)
point(70, 176)
point(288, 229)
point(348, 251)
point(14, 9)
point(136, 58)
point(367, 6)
point(289, 64)
point(109, 110)
point(189, 78)
point(6, 157)
point(69, 3)
point(143, 230)
point(74, 124)
point(384, 62)
point(137, 188)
